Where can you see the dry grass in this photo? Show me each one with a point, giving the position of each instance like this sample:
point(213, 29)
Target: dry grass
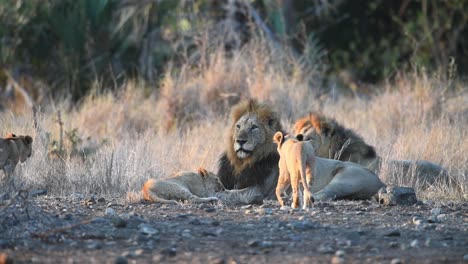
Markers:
point(140, 134)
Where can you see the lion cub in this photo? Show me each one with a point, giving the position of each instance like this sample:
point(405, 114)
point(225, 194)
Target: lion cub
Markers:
point(297, 161)
point(185, 185)
point(14, 149)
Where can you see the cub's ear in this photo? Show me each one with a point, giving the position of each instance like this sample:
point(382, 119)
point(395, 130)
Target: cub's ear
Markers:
point(28, 140)
point(203, 172)
point(278, 138)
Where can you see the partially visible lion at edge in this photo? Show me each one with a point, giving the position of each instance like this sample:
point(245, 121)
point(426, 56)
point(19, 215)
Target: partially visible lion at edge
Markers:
point(251, 159)
point(337, 142)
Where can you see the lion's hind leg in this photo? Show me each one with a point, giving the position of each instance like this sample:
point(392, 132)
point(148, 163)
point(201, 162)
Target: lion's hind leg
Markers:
point(283, 182)
point(350, 183)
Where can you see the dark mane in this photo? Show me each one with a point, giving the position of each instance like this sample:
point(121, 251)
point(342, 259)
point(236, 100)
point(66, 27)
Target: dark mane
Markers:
point(254, 175)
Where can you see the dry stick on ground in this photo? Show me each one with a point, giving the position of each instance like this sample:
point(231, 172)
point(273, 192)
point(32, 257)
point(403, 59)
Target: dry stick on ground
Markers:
point(46, 234)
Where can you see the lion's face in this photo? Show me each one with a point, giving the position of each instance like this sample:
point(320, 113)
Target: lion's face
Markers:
point(213, 183)
point(25, 146)
point(320, 141)
point(248, 134)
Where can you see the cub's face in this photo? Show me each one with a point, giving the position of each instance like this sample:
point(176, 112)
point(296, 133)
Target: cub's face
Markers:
point(213, 183)
point(248, 134)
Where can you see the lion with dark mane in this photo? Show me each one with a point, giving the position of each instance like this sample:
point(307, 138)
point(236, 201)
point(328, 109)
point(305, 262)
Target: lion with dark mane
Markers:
point(251, 159)
point(337, 142)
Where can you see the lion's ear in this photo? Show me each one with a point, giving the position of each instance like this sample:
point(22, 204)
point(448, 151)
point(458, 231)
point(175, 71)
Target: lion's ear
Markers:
point(203, 172)
point(278, 138)
point(28, 140)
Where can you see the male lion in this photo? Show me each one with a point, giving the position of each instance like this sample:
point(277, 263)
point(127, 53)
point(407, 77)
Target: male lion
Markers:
point(185, 185)
point(297, 162)
point(14, 149)
point(334, 141)
point(332, 179)
point(251, 159)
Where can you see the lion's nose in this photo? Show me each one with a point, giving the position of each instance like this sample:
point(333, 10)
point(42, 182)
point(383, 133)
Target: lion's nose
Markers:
point(241, 141)
point(300, 137)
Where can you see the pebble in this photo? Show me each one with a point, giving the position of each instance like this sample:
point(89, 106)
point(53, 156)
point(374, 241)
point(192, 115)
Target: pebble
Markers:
point(465, 257)
point(210, 210)
point(101, 200)
point(302, 225)
point(146, 229)
point(414, 243)
point(110, 211)
point(436, 211)
point(396, 261)
point(393, 244)
point(325, 248)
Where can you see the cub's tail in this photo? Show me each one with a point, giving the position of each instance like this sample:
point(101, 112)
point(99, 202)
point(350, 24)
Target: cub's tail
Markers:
point(149, 196)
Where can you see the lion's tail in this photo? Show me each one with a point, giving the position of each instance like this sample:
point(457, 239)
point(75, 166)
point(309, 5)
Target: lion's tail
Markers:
point(149, 196)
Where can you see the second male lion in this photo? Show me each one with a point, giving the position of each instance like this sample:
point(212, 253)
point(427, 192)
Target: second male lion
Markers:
point(14, 149)
point(334, 179)
point(331, 140)
point(184, 186)
point(297, 162)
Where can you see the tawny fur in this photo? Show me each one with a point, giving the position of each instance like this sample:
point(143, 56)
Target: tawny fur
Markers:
point(253, 125)
point(332, 140)
point(196, 187)
point(296, 164)
point(14, 149)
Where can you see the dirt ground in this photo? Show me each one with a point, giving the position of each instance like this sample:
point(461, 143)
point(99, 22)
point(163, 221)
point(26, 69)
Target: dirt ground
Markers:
point(80, 229)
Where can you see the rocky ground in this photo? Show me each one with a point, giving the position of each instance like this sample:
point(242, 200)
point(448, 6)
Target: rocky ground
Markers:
point(78, 229)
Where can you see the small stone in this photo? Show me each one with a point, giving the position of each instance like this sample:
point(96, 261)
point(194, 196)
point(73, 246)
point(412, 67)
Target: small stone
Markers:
point(187, 233)
point(101, 200)
point(465, 257)
point(340, 253)
point(414, 243)
point(147, 230)
point(418, 220)
point(253, 243)
point(436, 211)
point(266, 244)
point(121, 260)
point(395, 195)
point(248, 206)
point(396, 261)
point(215, 223)
point(110, 211)
point(195, 221)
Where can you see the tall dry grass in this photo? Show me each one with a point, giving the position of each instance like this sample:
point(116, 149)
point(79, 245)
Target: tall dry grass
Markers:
point(181, 126)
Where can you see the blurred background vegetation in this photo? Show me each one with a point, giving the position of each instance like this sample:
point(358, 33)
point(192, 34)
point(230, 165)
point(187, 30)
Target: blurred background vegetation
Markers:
point(70, 45)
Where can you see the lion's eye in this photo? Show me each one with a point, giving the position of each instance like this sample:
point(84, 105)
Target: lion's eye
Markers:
point(254, 127)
